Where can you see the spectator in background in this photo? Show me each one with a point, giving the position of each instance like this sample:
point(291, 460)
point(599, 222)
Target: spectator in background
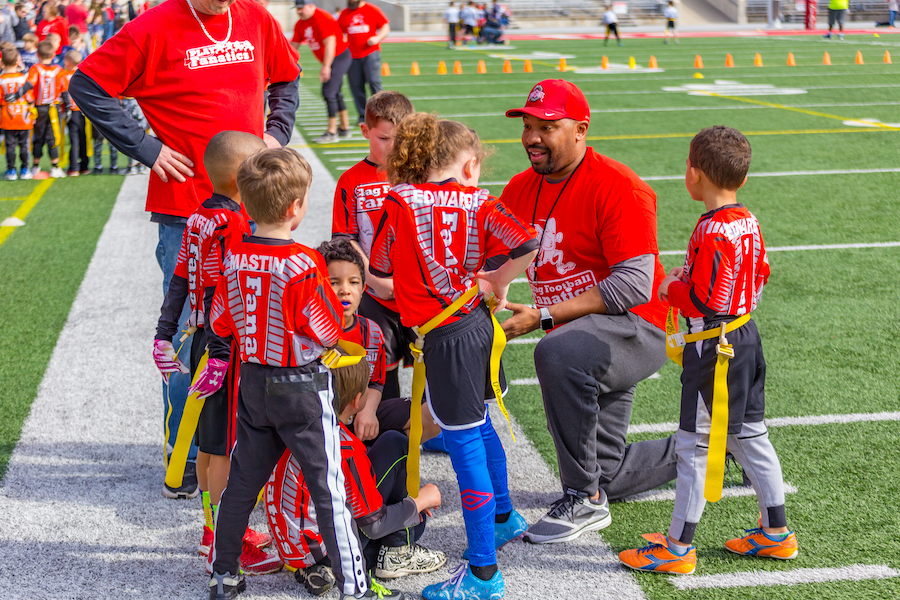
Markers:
point(451, 18)
point(612, 24)
point(21, 26)
point(893, 7)
point(365, 26)
point(491, 31)
point(469, 17)
point(29, 50)
point(837, 9)
point(53, 23)
point(77, 15)
point(671, 14)
point(7, 34)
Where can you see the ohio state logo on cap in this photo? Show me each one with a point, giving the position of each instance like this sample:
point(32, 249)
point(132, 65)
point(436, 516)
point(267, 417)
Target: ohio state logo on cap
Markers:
point(537, 94)
point(554, 99)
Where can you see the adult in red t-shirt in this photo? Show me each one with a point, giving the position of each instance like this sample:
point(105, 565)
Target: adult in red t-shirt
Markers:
point(196, 68)
point(320, 30)
point(77, 14)
point(53, 23)
point(593, 284)
point(365, 26)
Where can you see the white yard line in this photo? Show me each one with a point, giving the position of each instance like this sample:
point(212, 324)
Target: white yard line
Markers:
point(786, 577)
point(732, 491)
point(781, 421)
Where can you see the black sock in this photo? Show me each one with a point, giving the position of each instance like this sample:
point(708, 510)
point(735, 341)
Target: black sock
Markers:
point(484, 573)
point(502, 518)
point(391, 384)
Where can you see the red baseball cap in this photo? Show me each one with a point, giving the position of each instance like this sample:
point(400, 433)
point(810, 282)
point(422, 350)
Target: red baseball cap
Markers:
point(554, 99)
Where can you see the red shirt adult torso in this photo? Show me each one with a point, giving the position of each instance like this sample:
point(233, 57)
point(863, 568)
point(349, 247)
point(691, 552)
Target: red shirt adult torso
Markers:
point(49, 82)
point(360, 25)
point(77, 15)
point(603, 216)
point(59, 26)
point(15, 116)
point(191, 88)
point(368, 334)
point(434, 238)
point(314, 30)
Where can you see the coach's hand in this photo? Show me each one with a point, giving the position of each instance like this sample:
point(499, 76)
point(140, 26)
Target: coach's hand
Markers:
point(524, 320)
point(170, 162)
point(270, 141)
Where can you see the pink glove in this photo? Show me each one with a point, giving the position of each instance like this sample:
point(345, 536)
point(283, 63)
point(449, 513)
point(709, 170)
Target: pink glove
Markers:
point(210, 379)
point(166, 361)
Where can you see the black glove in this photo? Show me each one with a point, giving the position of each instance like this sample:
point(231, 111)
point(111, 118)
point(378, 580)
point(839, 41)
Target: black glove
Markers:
point(12, 96)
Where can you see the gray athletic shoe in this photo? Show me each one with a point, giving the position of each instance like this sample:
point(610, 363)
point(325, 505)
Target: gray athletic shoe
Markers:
point(569, 517)
point(188, 487)
point(326, 138)
point(226, 586)
point(406, 560)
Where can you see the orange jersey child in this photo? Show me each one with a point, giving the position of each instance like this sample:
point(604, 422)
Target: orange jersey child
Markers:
point(16, 117)
point(46, 82)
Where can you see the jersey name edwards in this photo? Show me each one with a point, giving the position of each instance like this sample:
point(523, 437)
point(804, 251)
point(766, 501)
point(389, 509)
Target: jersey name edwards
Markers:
point(224, 53)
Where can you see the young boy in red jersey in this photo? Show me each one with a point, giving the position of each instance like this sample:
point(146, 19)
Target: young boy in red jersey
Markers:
point(218, 225)
point(274, 300)
point(720, 284)
point(433, 239)
point(16, 121)
point(78, 158)
point(389, 519)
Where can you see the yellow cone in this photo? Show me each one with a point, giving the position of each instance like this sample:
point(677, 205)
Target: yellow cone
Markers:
point(604, 63)
point(562, 65)
point(631, 62)
point(698, 75)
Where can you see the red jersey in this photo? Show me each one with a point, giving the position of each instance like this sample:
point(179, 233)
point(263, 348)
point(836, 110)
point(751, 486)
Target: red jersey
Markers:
point(217, 226)
point(77, 15)
point(366, 333)
point(15, 116)
point(190, 88)
point(58, 26)
point(49, 82)
point(314, 30)
point(292, 515)
point(275, 299)
point(360, 25)
point(601, 215)
point(432, 240)
point(726, 266)
point(358, 206)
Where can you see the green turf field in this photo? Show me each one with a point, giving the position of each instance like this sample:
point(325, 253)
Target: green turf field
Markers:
point(828, 316)
point(820, 176)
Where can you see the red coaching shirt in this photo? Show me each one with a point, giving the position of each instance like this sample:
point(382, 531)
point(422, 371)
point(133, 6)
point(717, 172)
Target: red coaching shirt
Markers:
point(191, 88)
point(605, 214)
point(360, 25)
point(58, 26)
point(314, 30)
point(726, 265)
point(433, 239)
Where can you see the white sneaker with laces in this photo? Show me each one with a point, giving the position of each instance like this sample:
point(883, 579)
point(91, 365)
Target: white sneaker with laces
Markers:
point(569, 517)
point(57, 173)
point(406, 560)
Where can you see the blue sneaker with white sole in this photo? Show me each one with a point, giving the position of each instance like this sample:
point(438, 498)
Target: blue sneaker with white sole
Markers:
point(463, 585)
point(435, 444)
point(504, 533)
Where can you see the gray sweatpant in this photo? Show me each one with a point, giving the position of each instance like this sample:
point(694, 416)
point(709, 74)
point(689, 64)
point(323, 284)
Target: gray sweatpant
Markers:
point(752, 450)
point(588, 370)
point(362, 71)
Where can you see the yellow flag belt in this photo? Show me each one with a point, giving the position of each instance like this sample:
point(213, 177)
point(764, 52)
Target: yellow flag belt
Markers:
point(418, 385)
point(718, 433)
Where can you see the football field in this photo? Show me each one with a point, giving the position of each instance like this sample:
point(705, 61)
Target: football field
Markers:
point(824, 184)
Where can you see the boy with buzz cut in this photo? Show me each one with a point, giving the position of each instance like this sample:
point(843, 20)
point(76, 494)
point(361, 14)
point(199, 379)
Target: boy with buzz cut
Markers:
point(390, 520)
point(214, 228)
point(720, 284)
point(16, 121)
point(274, 300)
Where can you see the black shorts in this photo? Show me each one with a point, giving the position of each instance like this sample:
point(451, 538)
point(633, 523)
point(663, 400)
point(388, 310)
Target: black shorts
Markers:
point(670, 24)
point(470, 29)
point(392, 415)
point(397, 336)
point(612, 28)
point(216, 427)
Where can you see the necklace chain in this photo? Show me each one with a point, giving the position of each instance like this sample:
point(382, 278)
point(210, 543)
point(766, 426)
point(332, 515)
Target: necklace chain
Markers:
point(203, 27)
point(534, 212)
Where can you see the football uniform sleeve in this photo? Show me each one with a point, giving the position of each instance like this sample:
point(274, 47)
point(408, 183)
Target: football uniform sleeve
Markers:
point(319, 311)
point(379, 366)
point(220, 321)
point(710, 283)
point(171, 309)
point(343, 215)
point(385, 234)
point(501, 224)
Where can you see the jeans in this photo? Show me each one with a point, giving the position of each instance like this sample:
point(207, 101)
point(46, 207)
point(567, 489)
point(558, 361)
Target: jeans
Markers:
point(174, 393)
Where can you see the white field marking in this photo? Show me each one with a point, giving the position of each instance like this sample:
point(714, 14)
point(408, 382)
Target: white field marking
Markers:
point(362, 151)
point(731, 491)
point(869, 122)
point(347, 159)
point(534, 380)
point(805, 248)
point(792, 577)
point(614, 69)
point(784, 421)
point(524, 340)
point(734, 88)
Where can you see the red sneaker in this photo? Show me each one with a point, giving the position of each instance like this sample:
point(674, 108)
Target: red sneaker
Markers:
point(207, 541)
point(257, 538)
point(258, 562)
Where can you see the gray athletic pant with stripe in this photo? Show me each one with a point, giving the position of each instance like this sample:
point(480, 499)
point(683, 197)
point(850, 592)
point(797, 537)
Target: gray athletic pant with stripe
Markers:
point(588, 370)
point(293, 408)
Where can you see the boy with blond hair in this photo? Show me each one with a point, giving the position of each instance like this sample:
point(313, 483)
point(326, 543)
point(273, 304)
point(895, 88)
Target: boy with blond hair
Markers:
point(719, 285)
point(16, 121)
point(275, 302)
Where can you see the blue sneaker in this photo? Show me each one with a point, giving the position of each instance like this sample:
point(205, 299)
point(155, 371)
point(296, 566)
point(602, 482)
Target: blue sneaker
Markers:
point(435, 444)
point(25, 173)
point(11, 175)
point(514, 528)
point(463, 585)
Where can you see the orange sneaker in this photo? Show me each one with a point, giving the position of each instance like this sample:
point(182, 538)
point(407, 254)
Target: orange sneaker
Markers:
point(757, 543)
point(257, 538)
point(657, 558)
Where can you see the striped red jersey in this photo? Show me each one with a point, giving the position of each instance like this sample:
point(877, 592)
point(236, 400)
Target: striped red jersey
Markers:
point(358, 206)
point(49, 81)
point(275, 299)
point(368, 334)
point(15, 116)
point(433, 239)
point(218, 225)
point(292, 515)
point(725, 268)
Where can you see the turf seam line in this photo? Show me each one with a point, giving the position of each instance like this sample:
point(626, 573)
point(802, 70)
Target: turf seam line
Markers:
point(731, 491)
point(793, 577)
point(784, 421)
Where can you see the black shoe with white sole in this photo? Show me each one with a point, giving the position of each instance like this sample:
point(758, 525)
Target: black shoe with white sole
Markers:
point(317, 579)
point(226, 586)
point(569, 517)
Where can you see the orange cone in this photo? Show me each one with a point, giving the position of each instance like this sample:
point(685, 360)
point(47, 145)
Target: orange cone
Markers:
point(385, 70)
point(507, 66)
point(457, 67)
point(698, 62)
point(481, 67)
point(652, 64)
point(301, 73)
point(527, 68)
point(791, 62)
point(826, 60)
point(604, 63)
point(757, 60)
point(887, 57)
point(415, 68)
point(562, 64)
point(859, 58)
point(729, 61)
point(442, 68)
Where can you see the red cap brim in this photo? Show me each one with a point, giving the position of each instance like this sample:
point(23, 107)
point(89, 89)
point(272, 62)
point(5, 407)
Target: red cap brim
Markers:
point(540, 113)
